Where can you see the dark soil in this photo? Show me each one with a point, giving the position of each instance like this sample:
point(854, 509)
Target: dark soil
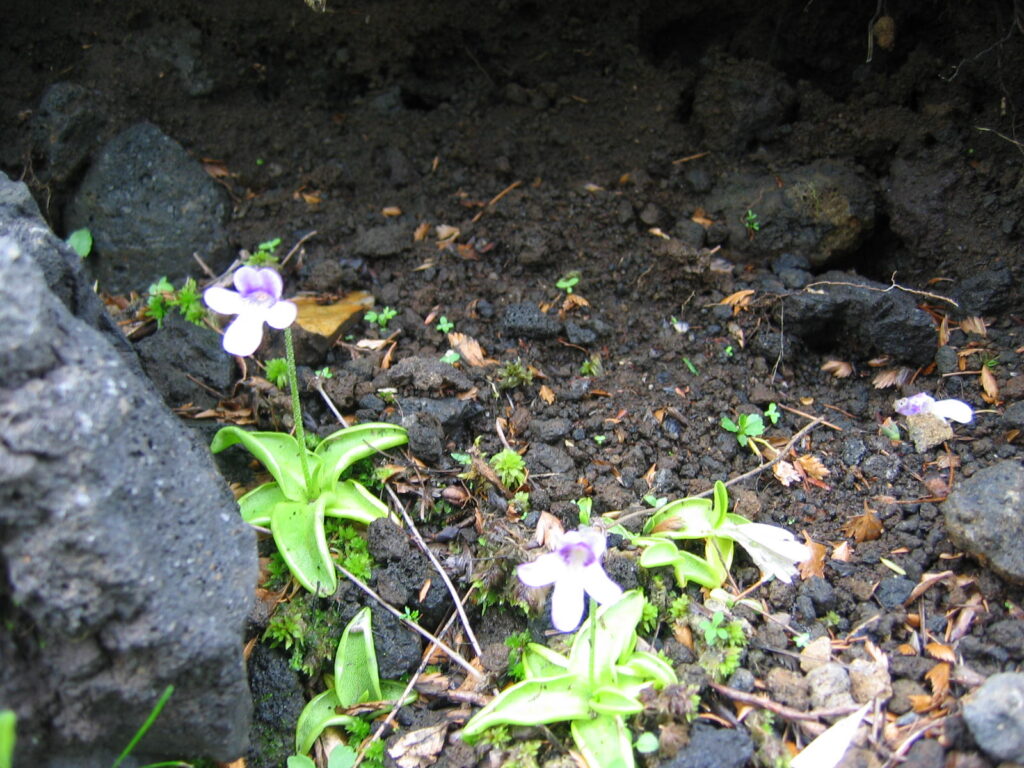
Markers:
point(605, 125)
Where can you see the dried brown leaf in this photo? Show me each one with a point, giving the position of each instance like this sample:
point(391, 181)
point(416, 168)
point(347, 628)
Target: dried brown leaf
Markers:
point(973, 325)
point(988, 383)
point(838, 368)
point(812, 466)
point(944, 331)
point(786, 473)
point(471, 351)
point(938, 678)
point(843, 553)
point(546, 394)
point(865, 527)
point(419, 748)
point(421, 232)
point(892, 377)
point(815, 564)
point(941, 651)
point(739, 300)
point(390, 211)
point(549, 529)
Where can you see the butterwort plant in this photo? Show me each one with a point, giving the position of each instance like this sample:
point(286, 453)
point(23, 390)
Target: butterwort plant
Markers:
point(307, 485)
point(599, 684)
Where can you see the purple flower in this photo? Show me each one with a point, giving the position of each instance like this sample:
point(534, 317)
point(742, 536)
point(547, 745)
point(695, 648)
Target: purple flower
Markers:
point(257, 301)
point(574, 567)
point(922, 402)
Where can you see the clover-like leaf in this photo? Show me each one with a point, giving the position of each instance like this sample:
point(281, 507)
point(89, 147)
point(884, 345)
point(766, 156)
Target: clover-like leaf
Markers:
point(298, 529)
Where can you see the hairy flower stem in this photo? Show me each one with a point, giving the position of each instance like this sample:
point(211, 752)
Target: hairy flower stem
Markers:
point(593, 641)
point(293, 385)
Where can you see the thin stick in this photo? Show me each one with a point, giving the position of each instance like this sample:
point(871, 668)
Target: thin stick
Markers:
point(437, 565)
point(495, 199)
point(319, 386)
point(781, 709)
point(688, 158)
point(453, 654)
point(298, 245)
point(894, 286)
point(811, 416)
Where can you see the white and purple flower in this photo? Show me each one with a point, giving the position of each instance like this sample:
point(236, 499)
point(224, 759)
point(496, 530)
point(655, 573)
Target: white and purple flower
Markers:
point(574, 567)
point(256, 300)
point(922, 402)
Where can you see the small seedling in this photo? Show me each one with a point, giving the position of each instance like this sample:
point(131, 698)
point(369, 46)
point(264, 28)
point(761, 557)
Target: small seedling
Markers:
point(751, 222)
point(264, 256)
point(746, 427)
point(690, 366)
point(324, 373)
point(655, 501)
point(382, 318)
point(411, 615)
point(451, 357)
point(510, 467)
point(713, 630)
point(728, 351)
point(802, 640)
point(680, 607)
point(514, 374)
point(277, 372)
point(387, 394)
point(773, 414)
point(81, 242)
point(568, 282)
point(462, 458)
point(592, 366)
point(646, 743)
point(585, 505)
point(600, 439)
point(444, 325)
point(187, 300)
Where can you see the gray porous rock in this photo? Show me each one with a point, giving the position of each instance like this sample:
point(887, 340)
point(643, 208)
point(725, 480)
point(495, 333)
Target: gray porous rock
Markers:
point(984, 517)
point(149, 206)
point(124, 565)
point(995, 716)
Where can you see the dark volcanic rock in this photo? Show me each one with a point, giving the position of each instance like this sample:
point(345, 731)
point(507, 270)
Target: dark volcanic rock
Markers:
point(122, 550)
point(711, 747)
point(149, 206)
point(853, 316)
point(984, 517)
point(995, 716)
point(527, 321)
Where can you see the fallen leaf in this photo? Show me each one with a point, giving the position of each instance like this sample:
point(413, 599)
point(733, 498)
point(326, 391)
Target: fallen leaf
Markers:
point(656, 231)
point(864, 527)
point(828, 749)
point(973, 325)
point(546, 394)
point(419, 748)
point(548, 530)
point(700, 217)
point(938, 678)
point(446, 234)
point(944, 331)
point(838, 368)
point(815, 564)
point(843, 553)
point(941, 652)
point(928, 580)
point(892, 377)
point(736, 332)
point(786, 473)
point(738, 301)
point(471, 351)
point(812, 466)
point(573, 301)
point(421, 232)
point(330, 320)
point(988, 384)
point(216, 169)
point(391, 211)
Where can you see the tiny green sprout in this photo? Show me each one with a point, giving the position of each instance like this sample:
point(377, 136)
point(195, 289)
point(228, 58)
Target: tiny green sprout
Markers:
point(831, 619)
point(690, 366)
point(189, 302)
point(992, 362)
point(444, 325)
point(514, 374)
point(802, 640)
point(890, 429)
point(568, 281)
point(585, 505)
point(600, 439)
point(510, 467)
point(655, 501)
point(163, 298)
point(382, 318)
point(646, 743)
point(81, 242)
point(264, 253)
point(648, 617)
point(714, 632)
point(728, 351)
point(325, 373)
point(260, 161)
point(680, 607)
point(387, 394)
point(591, 366)
point(747, 426)
point(772, 412)
point(277, 372)
point(462, 458)
point(451, 357)
point(516, 644)
point(411, 615)
point(751, 222)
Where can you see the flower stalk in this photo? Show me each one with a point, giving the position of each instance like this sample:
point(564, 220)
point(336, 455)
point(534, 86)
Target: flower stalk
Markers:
point(293, 385)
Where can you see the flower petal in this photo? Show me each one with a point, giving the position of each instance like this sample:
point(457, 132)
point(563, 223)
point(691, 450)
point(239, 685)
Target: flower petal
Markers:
point(594, 540)
point(957, 410)
point(909, 406)
point(270, 282)
point(599, 586)
point(773, 549)
point(546, 569)
point(223, 301)
point(244, 335)
point(247, 280)
point(567, 600)
point(281, 315)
